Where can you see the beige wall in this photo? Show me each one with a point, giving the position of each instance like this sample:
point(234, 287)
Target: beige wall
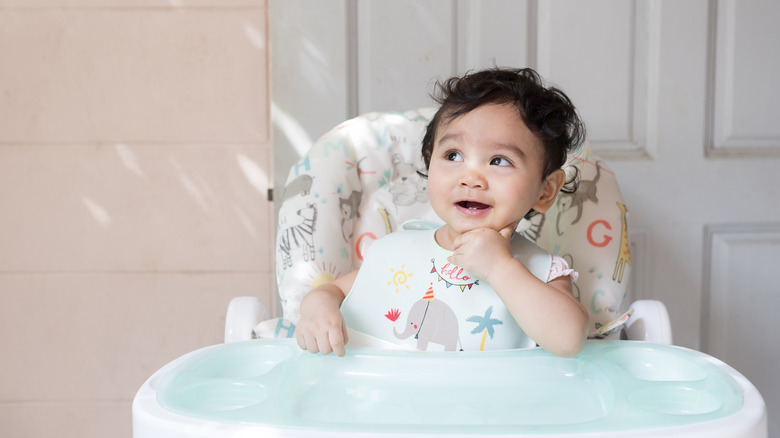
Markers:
point(134, 164)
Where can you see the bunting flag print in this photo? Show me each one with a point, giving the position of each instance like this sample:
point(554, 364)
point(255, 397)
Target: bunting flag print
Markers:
point(453, 275)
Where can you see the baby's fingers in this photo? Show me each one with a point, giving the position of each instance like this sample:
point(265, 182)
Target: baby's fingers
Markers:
point(509, 230)
point(323, 344)
point(307, 342)
point(336, 342)
point(301, 340)
point(465, 238)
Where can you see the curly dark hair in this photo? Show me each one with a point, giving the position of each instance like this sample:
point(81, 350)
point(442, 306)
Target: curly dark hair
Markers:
point(546, 111)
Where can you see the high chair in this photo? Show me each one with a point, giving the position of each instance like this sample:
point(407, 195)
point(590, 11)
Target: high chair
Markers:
point(360, 182)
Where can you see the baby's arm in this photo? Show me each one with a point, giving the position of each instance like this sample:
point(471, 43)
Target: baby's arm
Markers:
point(322, 328)
point(547, 312)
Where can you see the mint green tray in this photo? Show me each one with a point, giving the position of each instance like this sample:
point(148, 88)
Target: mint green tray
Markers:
point(610, 386)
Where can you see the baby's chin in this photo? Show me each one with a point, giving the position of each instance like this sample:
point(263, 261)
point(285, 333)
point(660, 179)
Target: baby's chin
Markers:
point(476, 228)
point(506, 230)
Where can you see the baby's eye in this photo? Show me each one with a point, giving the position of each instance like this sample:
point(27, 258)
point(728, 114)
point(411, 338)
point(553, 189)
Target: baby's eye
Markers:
point(500, 161)
point(453, 156)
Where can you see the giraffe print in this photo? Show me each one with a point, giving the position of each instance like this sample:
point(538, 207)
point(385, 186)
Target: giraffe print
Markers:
point(624, 254)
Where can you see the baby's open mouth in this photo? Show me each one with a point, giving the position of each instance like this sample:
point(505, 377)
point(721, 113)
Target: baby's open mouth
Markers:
point(473, 205)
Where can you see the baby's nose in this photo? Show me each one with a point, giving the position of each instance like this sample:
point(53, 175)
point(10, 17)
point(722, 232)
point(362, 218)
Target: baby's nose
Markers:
point(472, 179)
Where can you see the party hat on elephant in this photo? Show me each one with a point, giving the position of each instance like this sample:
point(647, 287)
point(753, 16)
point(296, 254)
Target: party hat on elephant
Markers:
point(429, 293)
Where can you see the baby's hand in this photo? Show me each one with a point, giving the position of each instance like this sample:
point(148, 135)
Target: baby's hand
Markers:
point(321, 328)
point(480, 250)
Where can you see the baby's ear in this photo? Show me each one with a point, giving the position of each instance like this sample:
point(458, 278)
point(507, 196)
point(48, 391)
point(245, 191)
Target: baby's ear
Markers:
point(550, 188)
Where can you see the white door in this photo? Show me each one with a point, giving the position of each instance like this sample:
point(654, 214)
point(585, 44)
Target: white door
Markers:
point(681, 99)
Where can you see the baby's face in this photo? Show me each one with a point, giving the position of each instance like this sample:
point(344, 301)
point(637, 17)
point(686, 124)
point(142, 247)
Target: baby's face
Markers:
point(486, 170)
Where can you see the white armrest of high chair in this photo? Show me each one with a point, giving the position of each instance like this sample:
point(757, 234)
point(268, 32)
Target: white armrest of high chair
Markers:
point(243, 314)
point(649, 322)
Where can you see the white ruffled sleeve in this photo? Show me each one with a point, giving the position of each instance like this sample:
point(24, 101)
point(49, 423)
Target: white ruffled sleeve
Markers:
point(560, 268)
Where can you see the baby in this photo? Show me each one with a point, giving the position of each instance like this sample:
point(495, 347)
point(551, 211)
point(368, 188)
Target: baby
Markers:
point(494, 153)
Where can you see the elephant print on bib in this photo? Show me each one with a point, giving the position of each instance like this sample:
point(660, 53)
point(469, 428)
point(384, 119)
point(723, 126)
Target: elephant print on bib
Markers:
point(431, 320)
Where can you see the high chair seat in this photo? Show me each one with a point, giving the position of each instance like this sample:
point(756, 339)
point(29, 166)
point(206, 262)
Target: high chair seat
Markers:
point(360, 182)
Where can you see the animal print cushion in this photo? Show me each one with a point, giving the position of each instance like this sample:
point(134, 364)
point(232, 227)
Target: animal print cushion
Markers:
point(588, 229)
point(360, 182)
